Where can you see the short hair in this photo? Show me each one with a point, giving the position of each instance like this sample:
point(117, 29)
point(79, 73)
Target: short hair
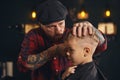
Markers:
point(92, 40)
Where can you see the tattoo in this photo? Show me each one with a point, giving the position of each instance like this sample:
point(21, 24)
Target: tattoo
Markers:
point(43, 57)
point(100, 36)
point(32, 59)
point(39, 59)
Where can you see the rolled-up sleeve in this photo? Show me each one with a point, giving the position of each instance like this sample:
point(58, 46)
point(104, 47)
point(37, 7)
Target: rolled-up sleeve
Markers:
point(29, 46)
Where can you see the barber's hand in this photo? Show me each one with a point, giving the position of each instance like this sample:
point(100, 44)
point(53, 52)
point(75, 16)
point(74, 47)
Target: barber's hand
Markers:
point(86, 28)
point(82, 29)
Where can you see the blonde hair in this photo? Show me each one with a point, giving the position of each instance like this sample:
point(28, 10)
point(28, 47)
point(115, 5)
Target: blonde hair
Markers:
point(90, 40)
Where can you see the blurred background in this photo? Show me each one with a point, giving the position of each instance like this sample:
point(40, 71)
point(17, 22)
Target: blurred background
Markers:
point(18, 16)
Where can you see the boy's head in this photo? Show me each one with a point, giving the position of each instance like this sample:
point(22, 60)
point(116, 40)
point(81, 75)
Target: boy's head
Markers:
point(80, 50)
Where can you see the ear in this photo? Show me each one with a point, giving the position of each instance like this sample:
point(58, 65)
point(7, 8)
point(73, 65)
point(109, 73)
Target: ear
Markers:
point(86, 51)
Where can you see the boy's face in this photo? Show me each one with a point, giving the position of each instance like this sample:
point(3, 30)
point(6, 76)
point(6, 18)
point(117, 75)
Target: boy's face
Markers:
point(74, 52)
point(80, 50)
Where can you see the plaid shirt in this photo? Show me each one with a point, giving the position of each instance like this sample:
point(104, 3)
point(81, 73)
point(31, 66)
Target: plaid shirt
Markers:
point(35, 42)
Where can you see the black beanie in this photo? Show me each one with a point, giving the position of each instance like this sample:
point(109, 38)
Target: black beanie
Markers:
point(51, 11)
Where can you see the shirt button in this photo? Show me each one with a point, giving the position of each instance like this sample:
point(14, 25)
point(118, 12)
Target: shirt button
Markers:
point(56, 70)
point(54, 58)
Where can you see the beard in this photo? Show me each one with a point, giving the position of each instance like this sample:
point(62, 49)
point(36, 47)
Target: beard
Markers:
point(57, 37)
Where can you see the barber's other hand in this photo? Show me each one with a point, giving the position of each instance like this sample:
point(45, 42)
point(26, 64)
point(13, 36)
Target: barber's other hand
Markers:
point(60, 50)
point(57, 49)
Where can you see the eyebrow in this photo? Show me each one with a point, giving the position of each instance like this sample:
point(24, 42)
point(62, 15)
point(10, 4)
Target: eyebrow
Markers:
point(69, 48)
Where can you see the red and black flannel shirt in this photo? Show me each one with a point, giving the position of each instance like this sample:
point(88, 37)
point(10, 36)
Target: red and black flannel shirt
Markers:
point(37, 41)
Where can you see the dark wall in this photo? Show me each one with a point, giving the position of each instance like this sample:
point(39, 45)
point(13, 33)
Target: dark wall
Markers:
point(14, 12)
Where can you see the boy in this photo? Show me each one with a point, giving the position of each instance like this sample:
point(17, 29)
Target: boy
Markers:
point(80, 52)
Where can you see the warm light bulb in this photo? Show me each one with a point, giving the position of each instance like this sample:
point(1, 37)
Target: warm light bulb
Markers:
point(107, 13)
point(82, 15)
point(33, 14)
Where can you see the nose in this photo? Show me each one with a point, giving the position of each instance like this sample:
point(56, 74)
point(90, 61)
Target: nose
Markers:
point(58, 29)
point(68, 55)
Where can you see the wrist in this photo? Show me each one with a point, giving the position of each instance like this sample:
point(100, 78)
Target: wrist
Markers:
point(65, 75)
point(100, 36)
point(52, 51)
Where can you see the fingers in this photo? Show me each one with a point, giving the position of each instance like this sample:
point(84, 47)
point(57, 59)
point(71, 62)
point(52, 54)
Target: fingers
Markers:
point(90, 27)
point(74, 29)
point(71, 69)
point(85, 30)
point(79, 30)
point(68, 71)
point(82, 29)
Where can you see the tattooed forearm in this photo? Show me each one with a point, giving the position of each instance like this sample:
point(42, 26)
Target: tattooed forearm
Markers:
point(38, 60)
